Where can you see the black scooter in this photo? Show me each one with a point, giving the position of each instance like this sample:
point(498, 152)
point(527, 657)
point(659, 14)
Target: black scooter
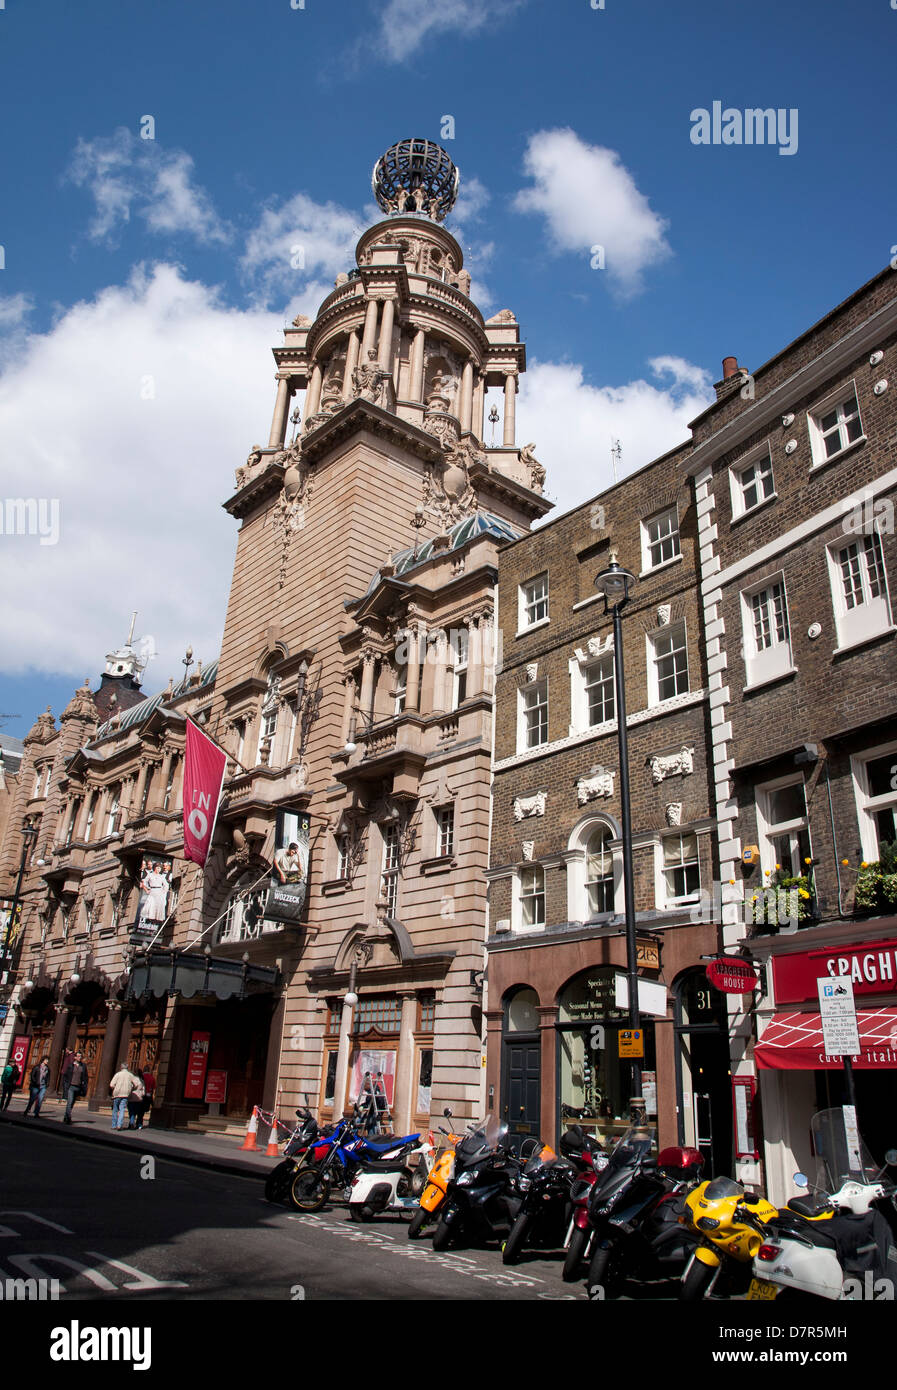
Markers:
point(543, 1216)
point(478, 1200)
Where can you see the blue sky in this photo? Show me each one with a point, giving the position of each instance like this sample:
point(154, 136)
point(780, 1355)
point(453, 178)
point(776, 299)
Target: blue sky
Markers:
point(145, 281)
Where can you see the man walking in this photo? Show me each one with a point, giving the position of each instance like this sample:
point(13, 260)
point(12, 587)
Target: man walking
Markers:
point(39, 1081)
point(121, 1086)
point(74, 1084)
point(8, 1081)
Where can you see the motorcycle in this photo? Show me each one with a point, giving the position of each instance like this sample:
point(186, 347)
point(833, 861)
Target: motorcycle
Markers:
point(337, 1158)
point(731, 1228)
point(438, 1179)
point(635, 1211)
point(299, 1151)
point(591, 1160)
point(477, 1199)
point(542, 1211)
point(391, 1184)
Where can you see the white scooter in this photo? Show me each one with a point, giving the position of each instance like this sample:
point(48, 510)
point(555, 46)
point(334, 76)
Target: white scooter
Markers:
point(391, 1184)
point(841, 1244)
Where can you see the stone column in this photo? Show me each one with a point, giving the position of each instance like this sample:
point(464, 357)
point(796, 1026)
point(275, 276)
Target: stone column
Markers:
point(281, 412)
point(166, 772)
point(412, 689)
point(66, 1019)
point(402, 1107)
point(353, 347)
point(342, 1061)
point(438, 703)
point(510, 394)
point(474, 654)
point(384, 352)
point(313, 395)
point(416, 392)
point(109, 1058)
point(272, 1063)
point(479, 406)
point(466, 404)
point(370, 328)
point(349, 709)
point(369, 659)
point(138, 789)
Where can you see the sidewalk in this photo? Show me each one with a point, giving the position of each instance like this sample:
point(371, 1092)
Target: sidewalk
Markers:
point(94, 1127)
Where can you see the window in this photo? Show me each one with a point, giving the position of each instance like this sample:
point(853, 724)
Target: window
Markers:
point(240, 734)
point(599, 683)
point(147, 784)
point(169, 786)
point(400, 689)
point(599, 872)
point(681, 872)
point(390, 882)
point(112, 813)
point(426, 1013)
point(875, 783)
point(859, 589)
point(268, 724)
point(767, 634)
point(660, 539)
point(668, 664)
point(534, 715)
point(783, 827)
point(533, 603)
point(382, 1012)
point(835, 426)
point(90, 810)
point(752, 483)
point(532, 898)
point(342, 856)
point(459, 640)
point(73, 817)
point(88, 915)
point(445, 831)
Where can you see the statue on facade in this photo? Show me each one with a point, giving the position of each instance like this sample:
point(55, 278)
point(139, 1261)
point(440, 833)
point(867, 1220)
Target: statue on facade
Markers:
point(537, 473)
point(369, 380)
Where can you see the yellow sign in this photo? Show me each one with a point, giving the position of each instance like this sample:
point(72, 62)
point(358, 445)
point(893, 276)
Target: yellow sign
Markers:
point(648, 954)
point(632, 1042)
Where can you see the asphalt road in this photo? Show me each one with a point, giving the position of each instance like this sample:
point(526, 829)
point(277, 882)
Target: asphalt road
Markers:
point(109, 1225)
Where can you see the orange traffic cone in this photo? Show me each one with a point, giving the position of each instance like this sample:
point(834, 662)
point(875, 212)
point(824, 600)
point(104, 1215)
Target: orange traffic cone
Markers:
point(272, 1150)
point(251, 1130)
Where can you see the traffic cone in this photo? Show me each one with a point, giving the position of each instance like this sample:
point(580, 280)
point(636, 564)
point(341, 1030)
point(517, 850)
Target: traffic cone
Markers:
point(272, 1150)
point(251, 1130)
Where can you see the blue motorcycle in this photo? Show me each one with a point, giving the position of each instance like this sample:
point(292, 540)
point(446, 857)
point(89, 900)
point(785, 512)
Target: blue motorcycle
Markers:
point(338, 1157)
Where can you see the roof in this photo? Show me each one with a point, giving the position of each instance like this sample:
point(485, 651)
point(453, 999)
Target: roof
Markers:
point(469, 529)
point(137, 714)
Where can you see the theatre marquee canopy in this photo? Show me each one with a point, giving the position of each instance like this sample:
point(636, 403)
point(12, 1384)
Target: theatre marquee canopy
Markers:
point(177, 972)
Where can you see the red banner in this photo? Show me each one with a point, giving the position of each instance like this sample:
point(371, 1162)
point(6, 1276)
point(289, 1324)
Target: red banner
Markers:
point(198, 1061)
point(871, 965)
point(21, 1046)
point(204, 768)
point(732, 976)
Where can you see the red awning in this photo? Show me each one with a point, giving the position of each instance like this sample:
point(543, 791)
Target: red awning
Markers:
point(793, 1042)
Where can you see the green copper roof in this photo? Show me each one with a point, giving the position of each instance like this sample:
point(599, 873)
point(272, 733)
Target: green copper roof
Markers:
point(137, 714)
point(480, 524)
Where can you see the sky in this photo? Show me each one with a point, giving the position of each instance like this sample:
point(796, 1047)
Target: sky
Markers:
point(160, 164)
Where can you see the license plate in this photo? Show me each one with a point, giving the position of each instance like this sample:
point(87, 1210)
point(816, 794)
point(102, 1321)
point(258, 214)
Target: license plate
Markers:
point(761, 1288)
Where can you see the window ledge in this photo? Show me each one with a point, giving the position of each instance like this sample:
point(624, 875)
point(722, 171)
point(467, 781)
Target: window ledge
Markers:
point(439, 864)
point(527, 931)
point(752, 511)
point(334, 885)
point(864, 641)
point(817, 467)
point(770, 680)
point(664, 565)
point(585, 602)
point(523, 631)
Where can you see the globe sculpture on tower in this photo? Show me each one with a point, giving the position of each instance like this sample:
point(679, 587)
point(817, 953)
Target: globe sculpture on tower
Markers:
point(416, 176)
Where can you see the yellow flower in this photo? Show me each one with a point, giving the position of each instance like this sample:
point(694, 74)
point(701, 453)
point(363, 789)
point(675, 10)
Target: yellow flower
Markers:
point(864, 865)
point(845, 861)
point(778, 866)
point(808, 861)
point(803, 892)
point(731, 880)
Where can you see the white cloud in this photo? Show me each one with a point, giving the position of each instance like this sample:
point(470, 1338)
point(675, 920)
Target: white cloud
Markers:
point(295, 240)
point(405, 24)
point(588, 198)
point(124, 173)
point(139, 476)
point(574, 424)
point(473, 196)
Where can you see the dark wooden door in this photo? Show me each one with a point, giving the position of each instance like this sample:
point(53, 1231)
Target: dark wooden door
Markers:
point(522, 1089)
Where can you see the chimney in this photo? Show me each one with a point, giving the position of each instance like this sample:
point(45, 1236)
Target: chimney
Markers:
point(730, 367)
point(733, 377)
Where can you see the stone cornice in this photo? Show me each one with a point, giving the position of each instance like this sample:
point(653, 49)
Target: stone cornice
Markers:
point(267, 483)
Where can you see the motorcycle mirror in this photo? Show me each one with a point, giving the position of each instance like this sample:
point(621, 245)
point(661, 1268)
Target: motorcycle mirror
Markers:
point(447, 1113)
point(891, 1158)
point(801, 1180)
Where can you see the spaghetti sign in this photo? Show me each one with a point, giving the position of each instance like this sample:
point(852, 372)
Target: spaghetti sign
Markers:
point(732, 976)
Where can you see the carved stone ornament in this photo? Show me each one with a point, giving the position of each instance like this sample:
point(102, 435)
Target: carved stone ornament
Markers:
point(503, 316)
point(529, 847)
point(664, 611)
point(674, 813)
point(289, 514)
point(81, 705)
point(599, 645)
point(302, 321)
point(44, 728)
point(369, 380)
point(593, 787)
point(537, 474)
point(526, 806)
point(250, 467)
point(679, 764)
point(448, 492)
point(532, 671)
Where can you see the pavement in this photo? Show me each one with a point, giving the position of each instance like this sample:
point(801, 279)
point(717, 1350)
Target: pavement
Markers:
point(220, 1153)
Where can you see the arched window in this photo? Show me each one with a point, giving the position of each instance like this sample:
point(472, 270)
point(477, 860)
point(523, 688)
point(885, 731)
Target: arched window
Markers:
point(594, 869)
point(522, 1011)
point(599, 871)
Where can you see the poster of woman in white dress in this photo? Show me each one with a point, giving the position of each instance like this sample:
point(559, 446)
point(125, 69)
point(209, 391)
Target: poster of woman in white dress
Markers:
point(155, 885)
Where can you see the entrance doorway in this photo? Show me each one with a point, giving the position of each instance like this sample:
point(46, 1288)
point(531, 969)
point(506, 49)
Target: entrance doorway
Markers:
point(703, 1081)
point(521, 1078)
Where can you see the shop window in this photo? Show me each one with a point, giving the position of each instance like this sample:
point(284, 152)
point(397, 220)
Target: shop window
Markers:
point(424, 1081)
point(595, 1082)
point(330, 1079)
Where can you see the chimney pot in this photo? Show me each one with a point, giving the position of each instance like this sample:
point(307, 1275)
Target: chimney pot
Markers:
point(730, 367)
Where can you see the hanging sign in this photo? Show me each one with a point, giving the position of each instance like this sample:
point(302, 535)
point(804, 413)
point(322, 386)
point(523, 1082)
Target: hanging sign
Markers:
point(732, 976)
point(289, 876)
point(204, 767)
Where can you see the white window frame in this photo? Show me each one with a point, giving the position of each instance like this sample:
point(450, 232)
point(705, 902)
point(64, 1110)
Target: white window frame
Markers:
point(833, 401)
point(400, 689)
point(871, 618)
point(651, 638)
point(776, 659)
point(526, 604)
point(579, 695)
point(867, 804)
point(760, 462)
point(519, 897)
point(391, 869)
point(663, 897)
point(523, 744)
point(112, 810)
point(577, 869)
point(768, 829)
point(459, 649)
point(92, 806)
point(648, 562)
point(342, 855)
point(445, 830)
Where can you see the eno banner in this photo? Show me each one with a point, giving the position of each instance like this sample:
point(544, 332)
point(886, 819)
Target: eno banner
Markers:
point(204, 767)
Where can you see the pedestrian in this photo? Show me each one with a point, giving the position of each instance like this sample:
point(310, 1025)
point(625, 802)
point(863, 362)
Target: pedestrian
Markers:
point(38, 1082)
point(135, 1103)
point(74, 1084)
point(9, 1079)
point(121, 1087)
point(149, 1086)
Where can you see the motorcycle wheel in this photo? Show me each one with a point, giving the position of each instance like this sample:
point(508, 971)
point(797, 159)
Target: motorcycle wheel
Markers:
point(309, 1190)
point(442, 1236)
point(358, 1211)
point(606, 1271)
point(696, 1283)
point(417, 1223)
point(277, 1182)
point(575, 1255)
point(516, 1241)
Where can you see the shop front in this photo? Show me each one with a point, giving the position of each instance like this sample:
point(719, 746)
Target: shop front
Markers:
point(797, 1076)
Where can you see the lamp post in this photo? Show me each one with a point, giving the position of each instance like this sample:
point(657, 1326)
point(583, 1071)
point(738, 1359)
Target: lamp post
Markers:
point(614, 584)
point(29, 835)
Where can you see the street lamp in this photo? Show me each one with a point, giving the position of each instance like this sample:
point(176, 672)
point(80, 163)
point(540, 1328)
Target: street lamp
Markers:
point(614, 584)
point(29, 835)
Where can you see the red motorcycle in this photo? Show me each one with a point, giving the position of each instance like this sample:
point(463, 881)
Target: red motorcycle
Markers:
point(586, 1152)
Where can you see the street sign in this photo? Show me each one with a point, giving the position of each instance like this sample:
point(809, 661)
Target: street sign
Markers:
point(837, 1011)
point(632, 1042)
point(652, 997)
